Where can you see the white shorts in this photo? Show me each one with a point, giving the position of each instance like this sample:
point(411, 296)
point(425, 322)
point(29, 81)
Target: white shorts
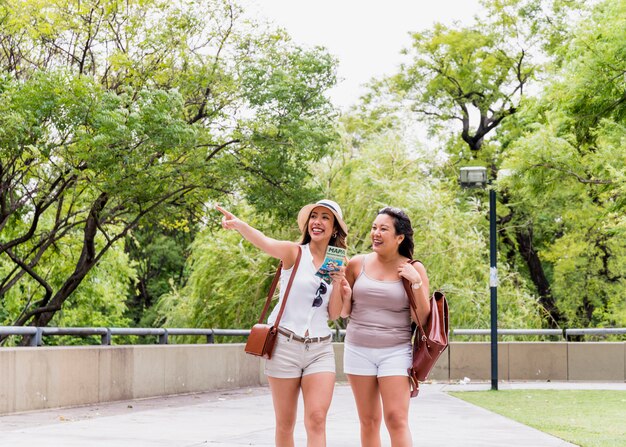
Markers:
point(292, 358)
point(379, 362)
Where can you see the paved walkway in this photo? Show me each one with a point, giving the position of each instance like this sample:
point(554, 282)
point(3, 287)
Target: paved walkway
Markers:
point(245, 417)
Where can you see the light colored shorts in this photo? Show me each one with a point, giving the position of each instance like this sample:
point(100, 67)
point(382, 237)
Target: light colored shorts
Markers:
point(292, 358)
point(379, 362)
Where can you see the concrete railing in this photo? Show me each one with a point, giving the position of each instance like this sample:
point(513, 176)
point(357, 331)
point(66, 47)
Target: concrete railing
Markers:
point(34, 378)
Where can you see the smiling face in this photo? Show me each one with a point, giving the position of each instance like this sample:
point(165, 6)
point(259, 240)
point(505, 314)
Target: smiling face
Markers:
point(321, 224)
point(384, 236)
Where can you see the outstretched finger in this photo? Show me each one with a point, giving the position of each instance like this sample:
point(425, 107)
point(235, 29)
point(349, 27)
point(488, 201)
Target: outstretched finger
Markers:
point(226, 214)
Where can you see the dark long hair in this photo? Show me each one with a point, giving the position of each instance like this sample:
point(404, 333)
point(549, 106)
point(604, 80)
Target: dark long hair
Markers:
point(402, 225)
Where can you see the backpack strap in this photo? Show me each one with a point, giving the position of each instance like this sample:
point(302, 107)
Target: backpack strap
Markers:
point(412, 304)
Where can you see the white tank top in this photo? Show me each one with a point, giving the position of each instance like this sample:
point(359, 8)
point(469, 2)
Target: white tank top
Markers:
point(300, 315)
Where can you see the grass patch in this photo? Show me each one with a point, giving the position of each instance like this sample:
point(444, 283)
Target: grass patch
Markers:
point(589, 418)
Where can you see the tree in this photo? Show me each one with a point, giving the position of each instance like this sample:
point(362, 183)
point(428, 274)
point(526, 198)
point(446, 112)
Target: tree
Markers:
point(118, 114)
point(229, 277)
point(160, 255)
point(388, 169)
point(570, 170)
point(477, 76)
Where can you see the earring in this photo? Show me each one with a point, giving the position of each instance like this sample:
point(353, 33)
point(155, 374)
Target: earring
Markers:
point(335, 234)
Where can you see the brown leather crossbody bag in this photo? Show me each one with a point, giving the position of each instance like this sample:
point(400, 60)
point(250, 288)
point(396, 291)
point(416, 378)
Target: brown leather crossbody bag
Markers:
point(262, 338)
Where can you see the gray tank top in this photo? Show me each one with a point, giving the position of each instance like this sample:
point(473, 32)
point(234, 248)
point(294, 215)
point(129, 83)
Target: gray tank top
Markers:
point(380, 315)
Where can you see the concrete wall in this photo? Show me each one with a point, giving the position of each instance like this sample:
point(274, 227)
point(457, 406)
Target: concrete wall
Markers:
point(545, 361)
point(40, 378)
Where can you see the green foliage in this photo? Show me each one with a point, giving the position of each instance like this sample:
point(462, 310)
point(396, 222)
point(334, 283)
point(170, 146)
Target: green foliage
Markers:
point(277, 84)
point(569, 167)
point(561, 211)
point(228, 282)
point(78, 154)
point(449, 232)
point(563, 197)
point(123, 121)
point(473, 76)
point(99, 301)
point(160, 254)
point(593, 66)
point(229, 277)
point(114, 114)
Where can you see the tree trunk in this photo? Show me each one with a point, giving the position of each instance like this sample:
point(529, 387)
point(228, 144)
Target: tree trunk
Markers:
point(84, 264)
point(530, 256)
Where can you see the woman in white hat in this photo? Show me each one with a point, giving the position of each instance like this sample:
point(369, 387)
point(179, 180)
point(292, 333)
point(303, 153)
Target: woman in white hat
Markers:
point(303, 358)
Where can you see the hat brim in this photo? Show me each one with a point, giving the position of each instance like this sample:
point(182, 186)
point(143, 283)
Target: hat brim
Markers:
point(305, 212)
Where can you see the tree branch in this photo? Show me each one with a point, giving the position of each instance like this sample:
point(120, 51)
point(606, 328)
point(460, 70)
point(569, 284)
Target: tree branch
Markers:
point(573, 174)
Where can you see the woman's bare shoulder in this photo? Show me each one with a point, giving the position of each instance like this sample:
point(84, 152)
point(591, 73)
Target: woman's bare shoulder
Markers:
point(356, 259)
point(355, 263)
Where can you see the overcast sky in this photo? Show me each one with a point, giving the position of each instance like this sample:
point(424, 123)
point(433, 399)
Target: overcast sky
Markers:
point(365, 35)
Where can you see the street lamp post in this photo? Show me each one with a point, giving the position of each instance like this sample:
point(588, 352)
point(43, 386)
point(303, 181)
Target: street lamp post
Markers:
point(476, 177)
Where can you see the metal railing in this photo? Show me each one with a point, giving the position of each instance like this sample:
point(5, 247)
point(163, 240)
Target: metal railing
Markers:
point(106, 334)
point(163, 334)
point(563, 334)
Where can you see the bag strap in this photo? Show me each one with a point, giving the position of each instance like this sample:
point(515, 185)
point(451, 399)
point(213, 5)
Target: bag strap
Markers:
point(412, 304)
point(270, 294)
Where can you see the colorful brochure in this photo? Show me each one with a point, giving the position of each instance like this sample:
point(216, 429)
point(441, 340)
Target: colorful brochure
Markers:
point(335, 258)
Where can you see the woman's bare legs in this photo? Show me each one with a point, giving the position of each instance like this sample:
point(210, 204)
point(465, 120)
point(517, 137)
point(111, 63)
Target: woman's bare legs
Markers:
point(285, 394)
point(396, 396)
point(367, 398)
point(317, 393)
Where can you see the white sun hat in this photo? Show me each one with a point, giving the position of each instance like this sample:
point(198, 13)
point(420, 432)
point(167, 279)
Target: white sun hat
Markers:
point(305, 212)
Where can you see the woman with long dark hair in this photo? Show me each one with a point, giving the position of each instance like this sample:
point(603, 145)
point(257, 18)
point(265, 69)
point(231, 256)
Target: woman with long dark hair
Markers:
point(303, 358)
point(377, 349)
